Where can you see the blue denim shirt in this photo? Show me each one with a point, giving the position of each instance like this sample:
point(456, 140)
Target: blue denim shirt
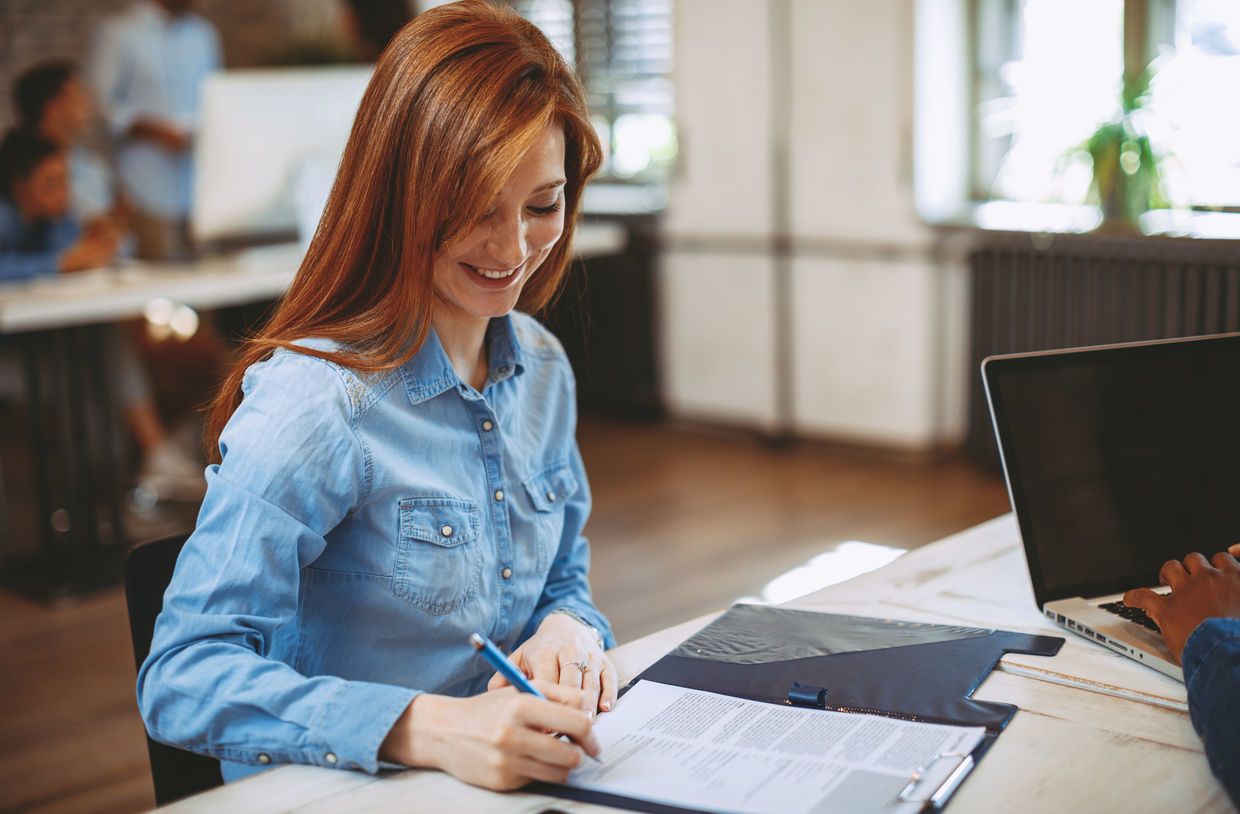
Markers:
point(1212, 674)
point(357, 530)
point(32, 250)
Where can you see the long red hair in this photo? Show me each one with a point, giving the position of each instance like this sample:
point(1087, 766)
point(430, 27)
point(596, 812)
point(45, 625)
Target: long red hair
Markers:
point(456, 100)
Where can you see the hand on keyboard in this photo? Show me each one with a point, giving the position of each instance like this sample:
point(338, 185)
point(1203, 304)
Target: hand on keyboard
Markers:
point(1200, 589)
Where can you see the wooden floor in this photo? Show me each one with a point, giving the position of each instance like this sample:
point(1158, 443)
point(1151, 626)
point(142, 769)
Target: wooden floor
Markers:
point(683, 523)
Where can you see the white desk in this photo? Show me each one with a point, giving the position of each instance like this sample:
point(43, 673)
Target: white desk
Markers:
point(1074, 746)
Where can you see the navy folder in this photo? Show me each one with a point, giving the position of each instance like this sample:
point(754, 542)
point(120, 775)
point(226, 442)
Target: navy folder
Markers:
point(909, 670)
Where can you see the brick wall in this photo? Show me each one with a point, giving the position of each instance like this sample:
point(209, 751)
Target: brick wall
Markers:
point(252, 32)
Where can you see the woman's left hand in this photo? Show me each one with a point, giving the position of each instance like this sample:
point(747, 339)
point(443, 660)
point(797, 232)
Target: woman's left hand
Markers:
point(564, 651)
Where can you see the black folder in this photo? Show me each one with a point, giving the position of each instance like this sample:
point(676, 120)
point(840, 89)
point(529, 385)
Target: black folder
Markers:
point(899, 669)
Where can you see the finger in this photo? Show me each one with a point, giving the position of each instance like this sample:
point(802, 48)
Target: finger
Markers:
point(1172, 574)
point(1149, 601)
point(590, 685)
point(571, 675)
point(497, 681)
point(537, 770)
point(1196, 562)
point(608, 686)
point(1225, 560)
point(1234, 550)
point(543, 665)
point(563, 716)
point(544, 748)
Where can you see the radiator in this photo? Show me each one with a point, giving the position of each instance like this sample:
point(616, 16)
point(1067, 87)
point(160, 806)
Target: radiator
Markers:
point(1040, 293)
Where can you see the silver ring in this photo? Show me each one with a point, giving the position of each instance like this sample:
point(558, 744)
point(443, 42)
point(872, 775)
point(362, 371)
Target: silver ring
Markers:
point(583, 666)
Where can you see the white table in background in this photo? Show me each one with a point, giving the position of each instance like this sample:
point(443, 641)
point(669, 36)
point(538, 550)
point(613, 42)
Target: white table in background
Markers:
point(1096, 732)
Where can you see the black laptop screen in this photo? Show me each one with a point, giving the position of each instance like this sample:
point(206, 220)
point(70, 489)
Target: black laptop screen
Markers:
point(1119, 459)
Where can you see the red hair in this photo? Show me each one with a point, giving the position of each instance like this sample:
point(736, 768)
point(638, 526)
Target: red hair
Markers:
point(456, 100)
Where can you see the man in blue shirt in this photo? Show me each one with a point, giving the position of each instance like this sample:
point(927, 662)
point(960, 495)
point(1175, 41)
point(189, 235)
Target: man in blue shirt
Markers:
point(1200, 621)
point(148, 67)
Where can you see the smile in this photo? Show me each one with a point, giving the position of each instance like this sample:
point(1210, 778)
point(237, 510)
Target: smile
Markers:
point(492, 274)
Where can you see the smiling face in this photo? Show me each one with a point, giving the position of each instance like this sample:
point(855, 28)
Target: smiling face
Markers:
point(481, 275)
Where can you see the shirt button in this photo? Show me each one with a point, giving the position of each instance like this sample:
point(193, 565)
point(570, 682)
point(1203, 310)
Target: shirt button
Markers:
point(331, 758)
point(487, 426)
point(446, 531)
point(499, 495)
point(551, 496)
point(506, 573)
point(264, 758)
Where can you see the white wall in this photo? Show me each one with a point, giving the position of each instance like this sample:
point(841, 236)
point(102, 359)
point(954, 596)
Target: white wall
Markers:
point(876, 324)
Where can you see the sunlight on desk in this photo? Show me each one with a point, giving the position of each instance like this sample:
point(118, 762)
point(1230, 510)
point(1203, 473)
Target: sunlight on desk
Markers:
point(845, 561)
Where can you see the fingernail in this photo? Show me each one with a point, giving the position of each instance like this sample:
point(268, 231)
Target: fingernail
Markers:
point(591, 714)
point(605, 706)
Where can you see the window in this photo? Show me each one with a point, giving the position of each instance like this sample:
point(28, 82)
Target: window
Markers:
point(623, 53)
point(1048, 73)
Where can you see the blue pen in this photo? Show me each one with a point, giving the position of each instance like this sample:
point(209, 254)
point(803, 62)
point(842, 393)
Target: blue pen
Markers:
point(504, 666)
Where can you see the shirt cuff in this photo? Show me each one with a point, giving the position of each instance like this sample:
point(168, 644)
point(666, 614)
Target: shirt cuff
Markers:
point(1202, 640)
point(350, 740)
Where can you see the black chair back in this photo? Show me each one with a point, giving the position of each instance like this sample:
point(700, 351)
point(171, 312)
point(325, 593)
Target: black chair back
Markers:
point(148, 570)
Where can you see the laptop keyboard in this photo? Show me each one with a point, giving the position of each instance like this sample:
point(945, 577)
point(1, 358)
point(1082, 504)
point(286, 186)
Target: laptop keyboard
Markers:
point(1131, 614)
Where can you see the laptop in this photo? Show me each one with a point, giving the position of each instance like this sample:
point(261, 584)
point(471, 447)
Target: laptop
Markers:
point(1117, 459)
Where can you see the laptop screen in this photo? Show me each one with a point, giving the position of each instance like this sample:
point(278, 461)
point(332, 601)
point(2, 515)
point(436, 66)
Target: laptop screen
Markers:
point(1119, 459)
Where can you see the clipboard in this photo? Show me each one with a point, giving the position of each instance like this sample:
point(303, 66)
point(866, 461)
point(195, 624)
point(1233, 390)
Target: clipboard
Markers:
point(908, 670)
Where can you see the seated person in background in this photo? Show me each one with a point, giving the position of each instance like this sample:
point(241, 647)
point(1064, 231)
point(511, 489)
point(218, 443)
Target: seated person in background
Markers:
point(39, 238)
point(1200, 621)
point(53, 102)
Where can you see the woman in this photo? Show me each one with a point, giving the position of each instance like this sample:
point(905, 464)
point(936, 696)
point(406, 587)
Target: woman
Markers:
point(396, 467)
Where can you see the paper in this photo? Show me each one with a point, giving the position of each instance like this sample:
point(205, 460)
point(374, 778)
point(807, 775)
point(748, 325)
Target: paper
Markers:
point(701, 750)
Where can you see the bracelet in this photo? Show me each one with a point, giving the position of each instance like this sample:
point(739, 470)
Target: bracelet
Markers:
point(577, 617)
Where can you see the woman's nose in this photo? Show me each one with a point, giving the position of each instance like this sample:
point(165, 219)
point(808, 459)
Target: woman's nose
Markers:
point(506, 242)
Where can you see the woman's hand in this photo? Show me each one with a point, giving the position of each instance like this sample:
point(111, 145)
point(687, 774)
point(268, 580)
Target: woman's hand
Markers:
point(566, 652)
point(498, 740)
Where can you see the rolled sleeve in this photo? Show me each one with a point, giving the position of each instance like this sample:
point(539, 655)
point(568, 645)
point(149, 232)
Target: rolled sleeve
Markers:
point(291, 470)
point(568, 584)
point(1211, 662)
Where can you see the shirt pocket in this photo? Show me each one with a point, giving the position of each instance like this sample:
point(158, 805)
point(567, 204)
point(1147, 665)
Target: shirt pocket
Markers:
point(549, 491)
point(438, 559)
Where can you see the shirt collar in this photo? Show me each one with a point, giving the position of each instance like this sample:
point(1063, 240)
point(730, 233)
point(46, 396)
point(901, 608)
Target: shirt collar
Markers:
point(430, 373)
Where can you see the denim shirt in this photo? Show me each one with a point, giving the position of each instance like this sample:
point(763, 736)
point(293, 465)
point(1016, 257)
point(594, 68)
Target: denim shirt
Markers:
point(1212, 675)
point(32, 250)
point(357, 530)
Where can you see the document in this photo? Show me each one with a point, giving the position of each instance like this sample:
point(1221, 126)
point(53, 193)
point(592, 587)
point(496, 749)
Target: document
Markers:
point(702, 750)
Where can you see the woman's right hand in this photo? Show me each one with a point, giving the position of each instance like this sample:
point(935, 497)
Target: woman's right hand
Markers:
point(89, 252)
point(498, 740)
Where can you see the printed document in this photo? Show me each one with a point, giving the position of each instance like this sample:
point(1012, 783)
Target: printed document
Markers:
point(701, 750)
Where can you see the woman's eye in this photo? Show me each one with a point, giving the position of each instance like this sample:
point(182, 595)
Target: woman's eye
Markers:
point(550, 209)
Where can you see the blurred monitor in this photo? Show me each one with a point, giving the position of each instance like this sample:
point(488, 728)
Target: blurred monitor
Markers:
point(268, 146)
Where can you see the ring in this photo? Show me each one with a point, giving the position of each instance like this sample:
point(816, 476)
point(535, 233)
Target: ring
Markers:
point(583, 666)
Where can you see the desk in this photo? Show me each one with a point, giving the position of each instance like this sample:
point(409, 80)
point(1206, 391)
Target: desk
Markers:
point(58, 322)
point(1095, 732)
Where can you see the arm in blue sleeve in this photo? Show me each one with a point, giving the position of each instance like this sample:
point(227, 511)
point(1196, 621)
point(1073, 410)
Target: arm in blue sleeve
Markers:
point(568, 584)
point(16, 266)
point(292, 468)
point(107, 79)
point(1212, 675)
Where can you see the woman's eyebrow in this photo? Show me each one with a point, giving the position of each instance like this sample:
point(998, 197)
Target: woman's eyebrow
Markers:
point(549, 185)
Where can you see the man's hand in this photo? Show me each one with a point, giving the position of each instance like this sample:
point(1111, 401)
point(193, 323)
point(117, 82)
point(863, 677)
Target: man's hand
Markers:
point(1200, 589)
point(167, 135)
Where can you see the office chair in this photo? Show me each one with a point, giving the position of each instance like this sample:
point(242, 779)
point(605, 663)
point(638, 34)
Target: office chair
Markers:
point(148, 570)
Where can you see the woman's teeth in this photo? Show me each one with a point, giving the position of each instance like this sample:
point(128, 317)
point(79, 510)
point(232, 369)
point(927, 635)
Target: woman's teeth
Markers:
point(494, 275)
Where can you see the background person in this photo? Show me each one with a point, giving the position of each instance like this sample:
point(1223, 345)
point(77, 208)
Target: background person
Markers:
point(53, 101)
point(148, 67)
point(1200, 621)
point(396, 461)
point(39, 237)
